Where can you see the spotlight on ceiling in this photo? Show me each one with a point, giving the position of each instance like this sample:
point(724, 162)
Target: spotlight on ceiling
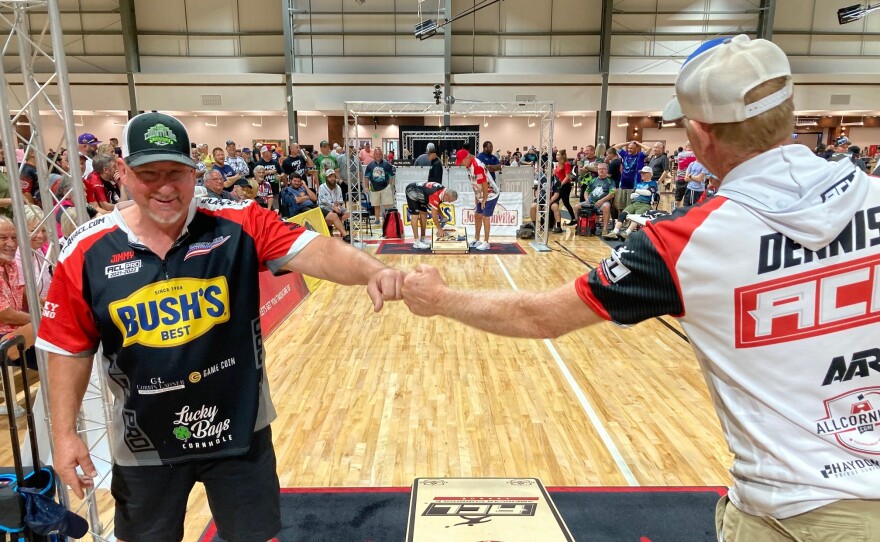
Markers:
point(854, 13)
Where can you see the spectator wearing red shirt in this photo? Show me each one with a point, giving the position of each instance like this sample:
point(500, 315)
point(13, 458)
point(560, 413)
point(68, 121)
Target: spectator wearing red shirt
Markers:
point(104, 168)
point(563, 173)
point(14, 319)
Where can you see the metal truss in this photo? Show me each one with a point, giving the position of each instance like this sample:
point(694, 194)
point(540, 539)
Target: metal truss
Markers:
point(21, 106)
point(440, 135)
point(544, 110)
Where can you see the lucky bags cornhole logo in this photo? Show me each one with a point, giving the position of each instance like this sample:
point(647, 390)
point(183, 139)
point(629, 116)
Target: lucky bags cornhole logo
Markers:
point(853, 419)
point(480, 510)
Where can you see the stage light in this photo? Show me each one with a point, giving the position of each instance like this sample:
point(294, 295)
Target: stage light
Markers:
point(425, 29)
point(854, 13)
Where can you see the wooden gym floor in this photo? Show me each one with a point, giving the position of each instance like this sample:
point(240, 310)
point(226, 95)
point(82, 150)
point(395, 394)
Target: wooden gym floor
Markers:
point(379, 399)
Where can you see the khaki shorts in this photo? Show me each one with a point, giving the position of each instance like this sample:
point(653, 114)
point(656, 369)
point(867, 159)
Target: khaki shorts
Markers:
point(841, 521)
point(621, 198)
point(384, 198)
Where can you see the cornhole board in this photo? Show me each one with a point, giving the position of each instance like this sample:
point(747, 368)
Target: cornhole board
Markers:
point(471, 509)
point(441, 244)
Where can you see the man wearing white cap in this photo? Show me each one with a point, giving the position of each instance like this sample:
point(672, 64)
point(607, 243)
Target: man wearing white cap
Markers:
point(642, 194)
point(776, 281)
point(331, 202)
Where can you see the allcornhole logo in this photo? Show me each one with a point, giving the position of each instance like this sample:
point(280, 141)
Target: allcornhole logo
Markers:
point(479, 510)
point(852, 418)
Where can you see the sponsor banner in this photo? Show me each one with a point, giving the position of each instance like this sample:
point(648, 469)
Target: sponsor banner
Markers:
point(312, 220)
point(279, 296)
point(483, 509)
point(506, 219)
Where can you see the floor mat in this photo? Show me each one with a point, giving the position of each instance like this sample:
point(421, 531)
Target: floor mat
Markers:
point(396, 248)
point(601, 514)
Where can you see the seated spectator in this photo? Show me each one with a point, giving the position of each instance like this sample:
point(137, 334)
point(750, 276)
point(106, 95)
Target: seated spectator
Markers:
point(244, 192)
point(599, 193)
point(331, 203)
point(103, 171)
point(200, 166)
point(229, 175)
point(14, 318)
point(264, 189)
point(5, 197)
point(214, 186)
point(540, 200)
point(642, 195)
point(38, 248)
point(297, 197)
point(67, 224)
point(61, 186)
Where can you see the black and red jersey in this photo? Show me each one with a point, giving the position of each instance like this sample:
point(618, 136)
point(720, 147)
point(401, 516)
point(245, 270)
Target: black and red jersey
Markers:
point(180, 337)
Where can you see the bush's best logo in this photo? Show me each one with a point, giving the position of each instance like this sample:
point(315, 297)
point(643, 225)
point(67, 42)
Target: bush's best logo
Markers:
point(159, 134)
point(172, 312)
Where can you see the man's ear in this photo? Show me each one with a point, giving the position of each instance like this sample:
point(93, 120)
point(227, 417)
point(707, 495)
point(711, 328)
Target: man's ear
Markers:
point(123, 169)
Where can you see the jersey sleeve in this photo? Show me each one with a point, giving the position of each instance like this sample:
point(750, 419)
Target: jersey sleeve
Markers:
point(277, 241)
point(95, 191)
point(68, 325)
point(632, 285)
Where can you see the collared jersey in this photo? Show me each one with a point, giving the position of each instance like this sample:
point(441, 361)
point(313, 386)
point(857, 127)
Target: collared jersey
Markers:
point(788, 339)
point(478, 177)
point(179, 337)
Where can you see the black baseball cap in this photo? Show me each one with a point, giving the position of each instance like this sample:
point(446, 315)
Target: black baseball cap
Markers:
point(155, 137)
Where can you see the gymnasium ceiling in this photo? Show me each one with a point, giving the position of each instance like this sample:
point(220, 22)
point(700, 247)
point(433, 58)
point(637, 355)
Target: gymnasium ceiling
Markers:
point(511, 36)
point(511, 40)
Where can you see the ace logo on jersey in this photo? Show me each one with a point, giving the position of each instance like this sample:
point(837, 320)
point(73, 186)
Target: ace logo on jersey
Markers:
point(171, 312)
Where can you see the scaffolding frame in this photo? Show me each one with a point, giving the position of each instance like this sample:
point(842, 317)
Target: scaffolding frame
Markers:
point(22, 104)
point(544, 111)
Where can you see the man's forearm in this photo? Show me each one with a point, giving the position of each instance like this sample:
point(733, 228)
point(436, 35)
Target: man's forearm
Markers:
point(68, 379)
point(321, 257)
point(518, 314)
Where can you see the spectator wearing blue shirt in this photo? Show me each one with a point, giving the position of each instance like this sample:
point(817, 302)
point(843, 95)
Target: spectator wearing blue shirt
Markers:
point(642, 194)
point(297, 197)
point(695, 175)
point(488, 159)
point(632, 160)
point(230, 176)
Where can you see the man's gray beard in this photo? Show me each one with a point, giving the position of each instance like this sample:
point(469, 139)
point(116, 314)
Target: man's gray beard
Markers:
point(165, 219)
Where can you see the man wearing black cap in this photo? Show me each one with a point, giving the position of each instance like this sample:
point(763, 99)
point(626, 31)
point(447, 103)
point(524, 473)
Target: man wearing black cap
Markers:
point(167, 286)
point(775, 281)
point(430, 159)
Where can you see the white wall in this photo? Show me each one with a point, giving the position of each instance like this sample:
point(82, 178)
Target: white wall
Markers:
point(237, 128)
point(674, 137)
point(865, 137)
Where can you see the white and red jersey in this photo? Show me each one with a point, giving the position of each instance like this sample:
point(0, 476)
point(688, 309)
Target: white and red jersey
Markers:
point(776, 281)
point(479, 177)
